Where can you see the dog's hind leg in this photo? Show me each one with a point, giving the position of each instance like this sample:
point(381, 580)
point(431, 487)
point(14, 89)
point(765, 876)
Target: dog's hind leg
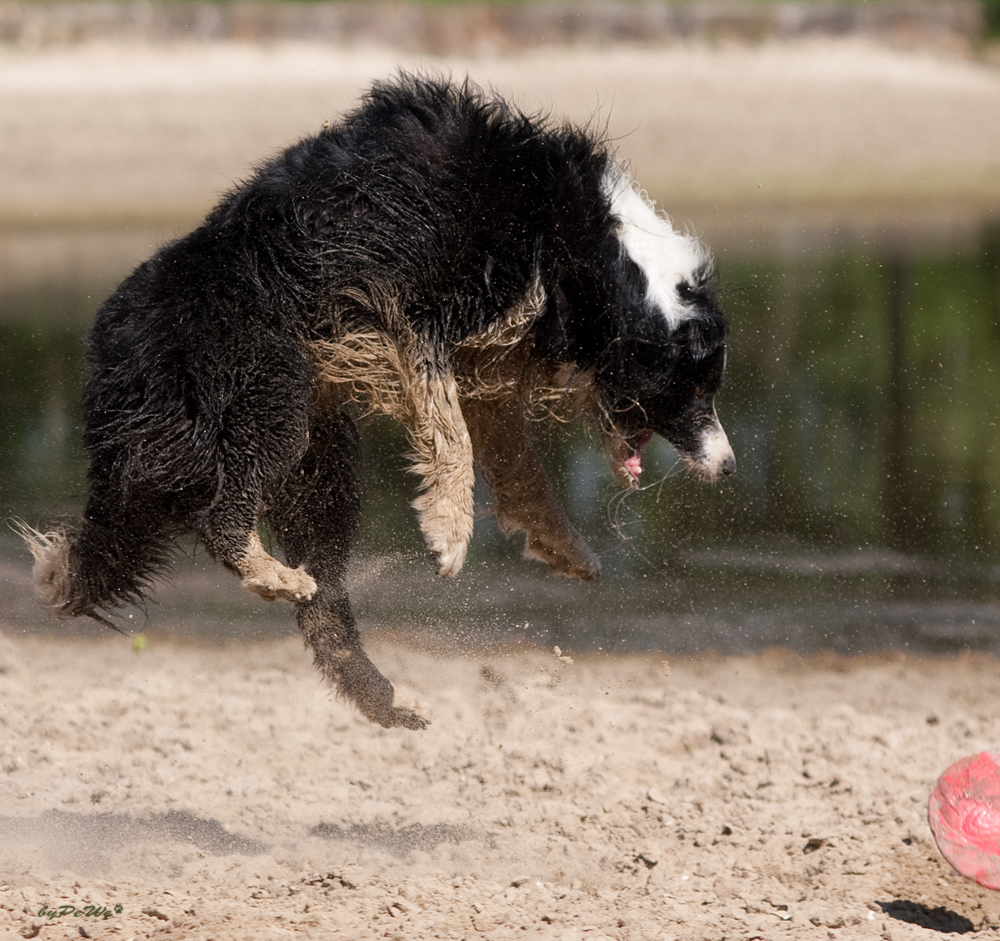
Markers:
point(314, 516)
point(523, 496)
point(444, 460)
point(228, 527)
point(266, 576)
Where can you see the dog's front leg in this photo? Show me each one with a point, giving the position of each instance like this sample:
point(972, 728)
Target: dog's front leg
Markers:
point(314, 513)
point(444, 460)
point(328, 628)
point(523, 496)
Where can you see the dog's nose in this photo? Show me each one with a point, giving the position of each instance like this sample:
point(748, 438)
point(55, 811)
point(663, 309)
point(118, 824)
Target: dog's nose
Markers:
point(729, 466)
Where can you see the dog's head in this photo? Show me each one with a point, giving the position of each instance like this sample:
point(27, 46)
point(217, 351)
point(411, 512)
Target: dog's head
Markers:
point(661, 373)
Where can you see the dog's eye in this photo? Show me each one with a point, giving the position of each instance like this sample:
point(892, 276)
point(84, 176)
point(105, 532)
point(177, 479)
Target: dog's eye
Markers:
point(685, 291)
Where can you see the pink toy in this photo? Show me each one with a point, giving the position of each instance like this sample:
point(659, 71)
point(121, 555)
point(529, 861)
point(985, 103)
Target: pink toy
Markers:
point(964, 814)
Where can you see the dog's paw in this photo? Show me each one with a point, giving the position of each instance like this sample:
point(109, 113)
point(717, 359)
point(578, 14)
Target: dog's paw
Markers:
point(400, 714)
point(448, 558)
point(404, 715)
point(573, 558)
point(359, 682)
point(279, 581)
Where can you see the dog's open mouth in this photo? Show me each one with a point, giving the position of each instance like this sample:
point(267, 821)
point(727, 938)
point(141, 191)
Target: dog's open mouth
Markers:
point(633, 463)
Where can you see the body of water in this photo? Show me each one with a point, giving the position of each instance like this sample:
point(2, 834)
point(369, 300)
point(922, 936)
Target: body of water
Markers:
point(862, 401)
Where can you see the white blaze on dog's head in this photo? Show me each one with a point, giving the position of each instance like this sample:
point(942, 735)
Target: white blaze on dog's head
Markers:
point(668, 258)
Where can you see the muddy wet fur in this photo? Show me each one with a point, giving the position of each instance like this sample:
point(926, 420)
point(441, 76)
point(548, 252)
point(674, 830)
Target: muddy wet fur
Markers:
point(438, 256)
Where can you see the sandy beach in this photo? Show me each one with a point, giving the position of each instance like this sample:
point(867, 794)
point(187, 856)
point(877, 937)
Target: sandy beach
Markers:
point(208, 792)
point(120, 132)
point(223, 793)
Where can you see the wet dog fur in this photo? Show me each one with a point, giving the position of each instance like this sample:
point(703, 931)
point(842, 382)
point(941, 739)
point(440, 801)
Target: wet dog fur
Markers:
point(437, 256)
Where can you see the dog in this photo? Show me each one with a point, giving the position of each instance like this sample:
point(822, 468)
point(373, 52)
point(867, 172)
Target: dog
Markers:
point(438, 256)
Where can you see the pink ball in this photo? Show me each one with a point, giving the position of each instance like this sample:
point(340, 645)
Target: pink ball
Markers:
point(964, 814)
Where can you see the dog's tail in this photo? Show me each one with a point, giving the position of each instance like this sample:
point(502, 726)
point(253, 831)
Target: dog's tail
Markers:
point(90, 571)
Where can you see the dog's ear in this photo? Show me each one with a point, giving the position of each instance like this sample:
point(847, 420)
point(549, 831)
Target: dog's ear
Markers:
point(701, 336)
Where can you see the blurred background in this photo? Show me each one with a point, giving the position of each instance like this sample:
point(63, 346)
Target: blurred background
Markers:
point(841, 158)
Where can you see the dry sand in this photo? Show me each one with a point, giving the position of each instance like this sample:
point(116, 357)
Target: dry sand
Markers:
point(117, 131)
point(225, 794)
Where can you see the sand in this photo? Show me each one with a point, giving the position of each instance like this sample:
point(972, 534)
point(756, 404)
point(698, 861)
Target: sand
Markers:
point(200, 792)
point(223, 793)
point(133, 132)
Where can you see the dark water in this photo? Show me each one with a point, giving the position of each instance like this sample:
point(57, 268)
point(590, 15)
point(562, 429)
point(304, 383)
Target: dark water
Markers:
point(862, 401)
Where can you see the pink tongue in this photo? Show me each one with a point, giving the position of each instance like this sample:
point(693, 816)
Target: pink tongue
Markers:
point(633, 464)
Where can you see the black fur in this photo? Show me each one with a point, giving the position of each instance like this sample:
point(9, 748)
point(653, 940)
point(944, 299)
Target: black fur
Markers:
point(203, 409)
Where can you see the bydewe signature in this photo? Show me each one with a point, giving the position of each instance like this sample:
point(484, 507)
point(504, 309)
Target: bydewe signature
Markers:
point(71, 911)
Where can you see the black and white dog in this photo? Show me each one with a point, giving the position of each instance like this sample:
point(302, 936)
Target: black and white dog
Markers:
point(438, 256)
